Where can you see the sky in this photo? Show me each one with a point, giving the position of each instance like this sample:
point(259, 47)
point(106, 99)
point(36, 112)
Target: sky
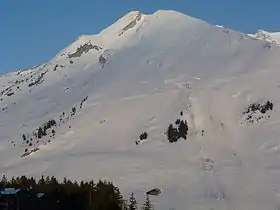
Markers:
point(33, 31)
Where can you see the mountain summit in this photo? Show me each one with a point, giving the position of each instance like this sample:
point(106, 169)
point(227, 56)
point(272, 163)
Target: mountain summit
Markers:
point(162, 101)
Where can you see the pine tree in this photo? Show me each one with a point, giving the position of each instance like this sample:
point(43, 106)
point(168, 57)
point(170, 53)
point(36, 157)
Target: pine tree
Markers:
point(169, 132)
point(183, 129)
point(40, 133)
point(4, 181)
point(147, 205)
point(132, 203)
point(172, 134)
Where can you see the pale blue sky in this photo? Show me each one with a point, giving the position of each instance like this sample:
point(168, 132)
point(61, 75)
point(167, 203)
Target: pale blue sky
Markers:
point(33, 31)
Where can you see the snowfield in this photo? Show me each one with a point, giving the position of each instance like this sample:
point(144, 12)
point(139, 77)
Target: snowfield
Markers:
point(140, 75)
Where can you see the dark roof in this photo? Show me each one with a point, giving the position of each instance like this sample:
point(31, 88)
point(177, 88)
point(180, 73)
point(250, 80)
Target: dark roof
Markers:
point(9, 191)
point(40, 195)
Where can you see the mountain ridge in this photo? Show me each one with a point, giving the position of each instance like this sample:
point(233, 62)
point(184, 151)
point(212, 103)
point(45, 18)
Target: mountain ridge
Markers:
point(273, 37)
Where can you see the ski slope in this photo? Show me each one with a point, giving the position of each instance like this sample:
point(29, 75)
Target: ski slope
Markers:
point(140, 75)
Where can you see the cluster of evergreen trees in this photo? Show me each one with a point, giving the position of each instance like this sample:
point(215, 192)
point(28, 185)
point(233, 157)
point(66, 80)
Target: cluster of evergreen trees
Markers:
point(180, 130)
point(42, 131)
point(143, 136)
point(263, 108)
point(133, 205)
point(68, 194)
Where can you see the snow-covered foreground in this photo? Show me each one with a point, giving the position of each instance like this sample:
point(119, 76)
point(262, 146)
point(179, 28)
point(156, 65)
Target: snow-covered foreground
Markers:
point(140, 75)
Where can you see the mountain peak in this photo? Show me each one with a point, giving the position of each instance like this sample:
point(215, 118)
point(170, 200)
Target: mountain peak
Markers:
point(80, 117)
point(129, 25)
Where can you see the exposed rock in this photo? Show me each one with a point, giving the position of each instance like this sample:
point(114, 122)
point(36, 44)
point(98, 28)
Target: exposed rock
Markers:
point(132, 23)
point(84, 49)
point(155, 191)
point(10, 94)
point(26, 153)
point(207, 164)
point(38, 81)
point(102, 60)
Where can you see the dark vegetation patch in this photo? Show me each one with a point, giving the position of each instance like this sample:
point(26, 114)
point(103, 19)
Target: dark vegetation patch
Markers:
point(38, 134)
point(257, 111)
point(47, 193)
point(43, 130)
point(177, 130)
point(263, 108)
point(143, 136)
point(174, 133)
point(10, 94)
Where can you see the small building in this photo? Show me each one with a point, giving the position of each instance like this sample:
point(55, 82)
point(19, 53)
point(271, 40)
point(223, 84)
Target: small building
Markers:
point(10, 199)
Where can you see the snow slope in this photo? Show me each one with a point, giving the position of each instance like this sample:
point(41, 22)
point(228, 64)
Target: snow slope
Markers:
point(137, 76)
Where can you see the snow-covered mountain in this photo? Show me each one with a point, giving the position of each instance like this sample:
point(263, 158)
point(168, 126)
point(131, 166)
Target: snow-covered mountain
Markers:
point(273, 37)
point(81, 114)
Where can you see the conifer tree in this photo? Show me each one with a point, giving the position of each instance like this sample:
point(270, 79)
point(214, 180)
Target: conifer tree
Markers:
point(132, 202)
point(4, 181)
point(183, 129)
point(172, 134)
point(147, 205)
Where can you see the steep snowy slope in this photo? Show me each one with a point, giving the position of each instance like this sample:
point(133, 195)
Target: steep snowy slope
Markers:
point(273, 37)
point(80, 115)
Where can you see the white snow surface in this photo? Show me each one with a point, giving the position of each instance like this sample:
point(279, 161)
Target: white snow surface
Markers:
point(273, 37)
point(162, 64)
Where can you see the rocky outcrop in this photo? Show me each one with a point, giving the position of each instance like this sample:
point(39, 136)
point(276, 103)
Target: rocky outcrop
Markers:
point(132, 23)
point(155, 191)
point(84, 49)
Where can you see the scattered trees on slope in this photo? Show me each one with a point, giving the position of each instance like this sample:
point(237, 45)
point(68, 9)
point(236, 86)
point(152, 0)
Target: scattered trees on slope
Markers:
point(42, 130)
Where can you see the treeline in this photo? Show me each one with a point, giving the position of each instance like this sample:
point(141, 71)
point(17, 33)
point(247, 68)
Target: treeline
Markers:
point(69, 195)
